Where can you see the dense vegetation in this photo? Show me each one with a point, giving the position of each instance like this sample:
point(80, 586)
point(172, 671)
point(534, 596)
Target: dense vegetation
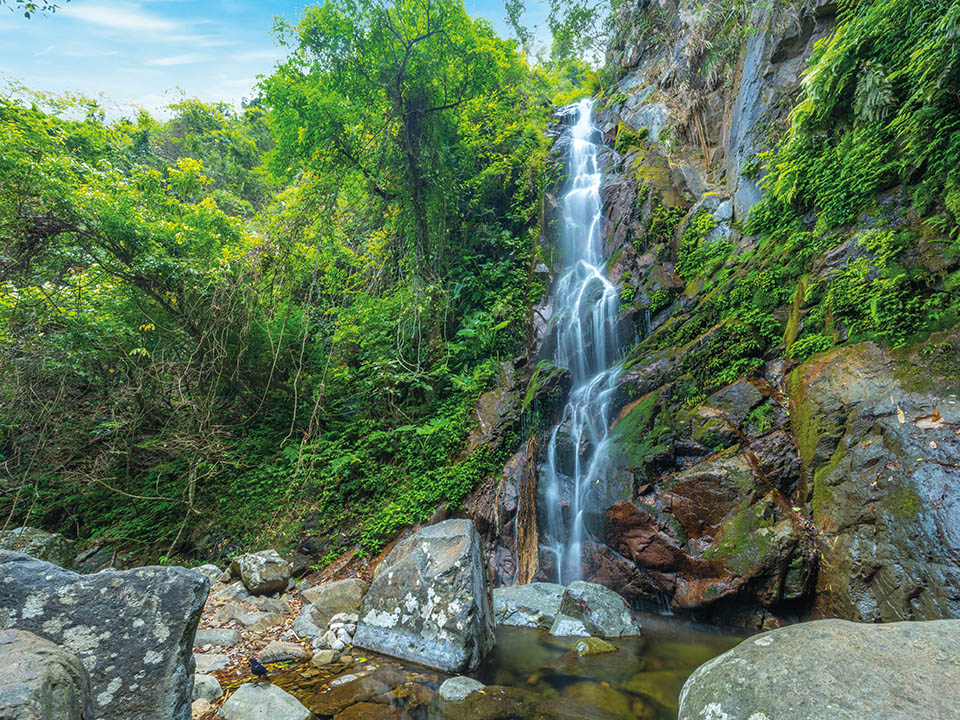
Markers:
point(214, 325)
point(869, 169)
point(227, 320)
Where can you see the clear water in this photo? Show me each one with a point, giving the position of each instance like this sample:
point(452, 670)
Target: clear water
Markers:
point(585, 306)
point(641, 680)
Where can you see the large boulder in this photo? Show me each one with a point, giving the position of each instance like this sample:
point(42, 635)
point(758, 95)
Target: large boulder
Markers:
point(833, 669)
point(263, 701)
point(602, 611)
point(533, 605)
point(429, 602)
point(332, 598)
point(52, 547)
point(41, 680)
point(582, 608)
point(877, 433)
point(263, 573)
point(133, 631)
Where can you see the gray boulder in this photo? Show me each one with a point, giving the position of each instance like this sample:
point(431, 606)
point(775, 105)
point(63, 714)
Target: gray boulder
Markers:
point(833, 669)
point(602, 611)
point(51, 547)
point(333, 598)
point(429, 602)
point(210, 662)
point(263, 701)
point(221, 637)
point(133, 631)
point(206, 687)
point(212, 572)
point(533, 605)
point(41, 680)
point(278, 651)
point(457, 688)
point(580, 609)
point(310, 623)
point(262, 573)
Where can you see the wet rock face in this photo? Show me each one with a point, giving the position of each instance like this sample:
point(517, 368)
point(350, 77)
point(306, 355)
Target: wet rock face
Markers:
point(878, 435)
point(41, 680)
point(133, 631)
point(51, 547)
point(833, 669)
point(429, 602)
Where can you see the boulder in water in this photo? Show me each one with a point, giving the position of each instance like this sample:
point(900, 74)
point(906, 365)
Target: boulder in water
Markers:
point(41, 680)
point(533, 605)
point(429, 602)
point(833, 669)
point(133, 631)
point(602, 611)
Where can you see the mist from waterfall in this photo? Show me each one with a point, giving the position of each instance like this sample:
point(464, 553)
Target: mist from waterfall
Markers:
point(585, 306)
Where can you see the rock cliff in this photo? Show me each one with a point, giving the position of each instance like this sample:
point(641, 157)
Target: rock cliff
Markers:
point(756, 481)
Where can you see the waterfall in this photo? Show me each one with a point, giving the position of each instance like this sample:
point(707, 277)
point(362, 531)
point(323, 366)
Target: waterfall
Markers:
point(585, 306)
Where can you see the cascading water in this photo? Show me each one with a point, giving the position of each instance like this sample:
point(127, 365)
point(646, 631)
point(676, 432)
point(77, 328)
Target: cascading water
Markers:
point(585, 306)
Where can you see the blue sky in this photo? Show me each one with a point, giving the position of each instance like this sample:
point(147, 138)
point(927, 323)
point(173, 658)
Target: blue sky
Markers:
point(145, 53)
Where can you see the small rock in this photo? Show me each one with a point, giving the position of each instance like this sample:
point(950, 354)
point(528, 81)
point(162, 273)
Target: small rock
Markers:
point(456, 689)
point(278, 651)
point(263, 701)
point(274, 605)
point(206, 687)
point(233, 591)
point(208, 662)
point(200, 708)
point(220, 637)
point(564, 626)
point(263, 573)
point(344, 637)
point(309, 623)
point(593, 646)
point(258, 621)
point(324, 657)
point(228, 613)
point(346, 618)
point(209, 571)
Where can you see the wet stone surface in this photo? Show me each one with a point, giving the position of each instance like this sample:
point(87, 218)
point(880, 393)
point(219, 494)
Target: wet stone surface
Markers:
point(530, 674)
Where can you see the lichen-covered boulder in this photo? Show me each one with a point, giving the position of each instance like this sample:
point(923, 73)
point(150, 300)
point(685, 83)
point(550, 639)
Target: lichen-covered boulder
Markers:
point(41, 680)
point(52, 547)
point(429, 602)
point(262, 573)
point(133, 631)
point(832, 669)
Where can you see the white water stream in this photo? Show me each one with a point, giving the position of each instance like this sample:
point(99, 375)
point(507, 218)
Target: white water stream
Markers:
point(585, 306)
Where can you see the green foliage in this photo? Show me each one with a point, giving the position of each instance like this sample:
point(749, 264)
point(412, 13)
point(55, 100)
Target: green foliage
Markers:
point(663, 223)
point(698, 255)
point(236, 316)
point(809, 345)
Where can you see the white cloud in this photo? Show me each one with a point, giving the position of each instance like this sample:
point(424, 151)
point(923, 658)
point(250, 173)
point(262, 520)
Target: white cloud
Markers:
point(43, 52)
point(254, 55)
point(175, 60)
point(116, 18)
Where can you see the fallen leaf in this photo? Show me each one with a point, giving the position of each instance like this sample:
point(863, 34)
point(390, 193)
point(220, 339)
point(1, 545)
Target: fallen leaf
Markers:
point(933, 445)
point(900, 416)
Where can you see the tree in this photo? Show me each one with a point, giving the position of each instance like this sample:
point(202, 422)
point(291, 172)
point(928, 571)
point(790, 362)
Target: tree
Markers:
point(375, 89)
point(29, 8)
